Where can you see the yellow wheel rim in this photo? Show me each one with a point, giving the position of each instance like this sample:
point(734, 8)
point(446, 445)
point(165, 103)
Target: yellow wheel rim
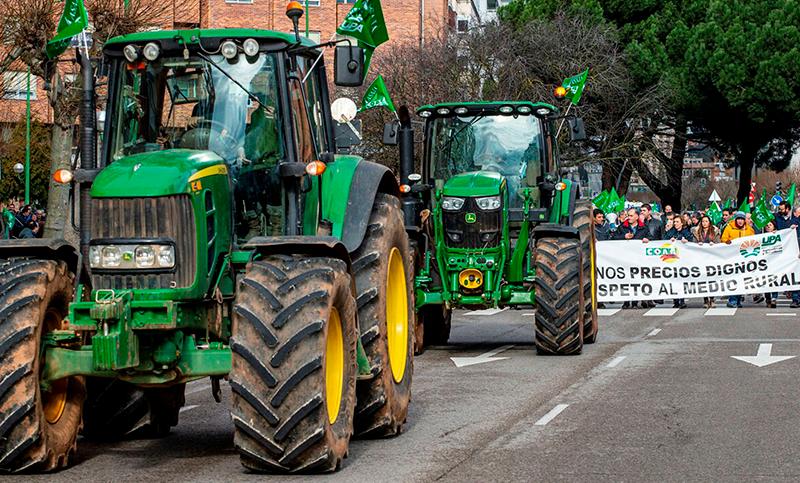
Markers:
point(55, 400)
point(397, 315)
point(334, 365)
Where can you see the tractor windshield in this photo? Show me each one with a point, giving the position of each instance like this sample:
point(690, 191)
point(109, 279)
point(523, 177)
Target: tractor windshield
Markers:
point(189, 103)
point(510, 145)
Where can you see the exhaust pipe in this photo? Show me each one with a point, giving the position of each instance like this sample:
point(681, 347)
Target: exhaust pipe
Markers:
point(405, 141)
point(88, 144)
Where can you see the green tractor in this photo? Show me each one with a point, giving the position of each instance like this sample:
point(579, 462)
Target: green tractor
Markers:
point(493, 223)
point(220, 237)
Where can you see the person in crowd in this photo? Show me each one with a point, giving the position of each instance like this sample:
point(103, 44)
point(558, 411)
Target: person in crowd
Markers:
point(726, 217)
point(631, 229)
point(653, 227)
point(703, 233)
point(771, 297)
point(737, 228)
point(695, 219)
point(785, 219)
point(797, 212)
point(667, 212)
point(602, 231)
point(668, 223)
point(748, 218)
point(687, 219)
point(679, 232)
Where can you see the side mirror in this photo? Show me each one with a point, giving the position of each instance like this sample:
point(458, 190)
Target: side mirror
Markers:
point(348, 66)
point(577, 132)
point(390, 130)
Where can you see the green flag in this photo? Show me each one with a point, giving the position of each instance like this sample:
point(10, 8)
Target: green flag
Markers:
point(616, 202)
point(715, 213)
point(728, 204)
point(601, 201)
point(73, 21)
point(377, 96)
point(790, 195)
point(744, 207)
point(364, 22)
point(574, 86)
point(762, 214)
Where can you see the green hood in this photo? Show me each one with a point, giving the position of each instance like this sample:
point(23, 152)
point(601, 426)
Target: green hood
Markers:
point(475, 183)
point(157, 173)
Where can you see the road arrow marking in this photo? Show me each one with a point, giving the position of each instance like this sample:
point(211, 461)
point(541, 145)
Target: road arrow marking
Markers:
point(607, 312)
point(616, 361)
point(653, 332)
point(763, 357)
point(487, 311)
point(480, 359)
point(551, 415)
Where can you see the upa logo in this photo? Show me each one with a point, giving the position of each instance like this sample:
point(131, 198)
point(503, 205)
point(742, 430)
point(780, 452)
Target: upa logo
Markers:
point(750, 248)
point(770, 240)
point(666, 252)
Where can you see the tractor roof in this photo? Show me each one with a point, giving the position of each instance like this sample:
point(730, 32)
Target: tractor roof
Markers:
point(191, 36)
point(483, 107)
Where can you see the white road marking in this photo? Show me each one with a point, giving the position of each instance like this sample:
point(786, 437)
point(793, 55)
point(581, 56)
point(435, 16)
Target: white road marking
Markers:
point(487, 311)
point(763, 357)
point(551, 415)
point(607, 312)
point(653, 332)
point(187, 408)
point(204, 387)
point(660, 312)
point(528, 314)
point(479, 359)
point(616, 361)
point(727, 311)
point(781, 314)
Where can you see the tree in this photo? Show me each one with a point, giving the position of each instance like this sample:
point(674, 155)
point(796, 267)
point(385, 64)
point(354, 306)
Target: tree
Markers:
point(12, 185)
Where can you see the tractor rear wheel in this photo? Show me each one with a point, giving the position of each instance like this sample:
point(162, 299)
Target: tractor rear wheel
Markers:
point(38, 426)
point(582, 220)
point(112, 408)
point(559, 296)
point(436, 319)
point(385, 287)
point(294, 364)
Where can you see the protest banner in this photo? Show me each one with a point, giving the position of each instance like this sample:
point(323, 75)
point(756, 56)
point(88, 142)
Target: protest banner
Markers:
point(629, 270)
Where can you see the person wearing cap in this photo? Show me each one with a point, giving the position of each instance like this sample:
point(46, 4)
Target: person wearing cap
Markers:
point(737, 228)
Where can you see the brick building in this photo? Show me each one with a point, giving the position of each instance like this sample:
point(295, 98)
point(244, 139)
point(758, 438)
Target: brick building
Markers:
point(406, 21)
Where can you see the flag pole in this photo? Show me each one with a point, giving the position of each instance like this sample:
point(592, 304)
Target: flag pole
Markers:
point(28, 141)
point(562, 120)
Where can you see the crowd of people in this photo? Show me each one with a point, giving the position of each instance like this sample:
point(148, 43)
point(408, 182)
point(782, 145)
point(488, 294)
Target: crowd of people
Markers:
point(642, 223)
point(19, 220)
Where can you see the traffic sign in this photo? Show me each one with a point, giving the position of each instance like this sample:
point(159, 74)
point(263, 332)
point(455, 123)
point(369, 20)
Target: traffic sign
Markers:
point(776, 200)
point(714, 197)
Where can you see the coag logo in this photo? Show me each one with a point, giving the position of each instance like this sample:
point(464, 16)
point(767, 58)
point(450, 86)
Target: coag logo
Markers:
point(770, 240)
point(666, 252)
point(750, 248)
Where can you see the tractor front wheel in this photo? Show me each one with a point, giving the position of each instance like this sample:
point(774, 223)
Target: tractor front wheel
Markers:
point(38, 424)
point(294, 364)
point(582, 220)
point(385, 286)
point(559, 296)
point(112, 408)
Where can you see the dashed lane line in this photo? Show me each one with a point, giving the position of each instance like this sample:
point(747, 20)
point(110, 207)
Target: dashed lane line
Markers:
point(187, 408)
point(615, 362)
point(660, 312)
point(607, 312)
point(551, 415)
point(781, 314)
point(721, 311)
point(653, 332)
point(487, 311)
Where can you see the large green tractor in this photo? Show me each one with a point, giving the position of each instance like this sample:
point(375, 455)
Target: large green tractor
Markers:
point(220, 238)
point(494, 223)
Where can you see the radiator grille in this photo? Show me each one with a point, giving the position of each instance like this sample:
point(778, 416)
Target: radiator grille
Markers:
point(169, 217)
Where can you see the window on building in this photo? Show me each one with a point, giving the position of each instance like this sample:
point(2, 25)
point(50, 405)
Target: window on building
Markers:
point(314, 35)
point(15, 85)
point(462, 25)
point(491, 5)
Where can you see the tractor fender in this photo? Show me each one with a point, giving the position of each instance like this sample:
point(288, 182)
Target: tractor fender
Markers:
point(317, 246)
point(554, 230)
point(369, 179)
point(42, 248)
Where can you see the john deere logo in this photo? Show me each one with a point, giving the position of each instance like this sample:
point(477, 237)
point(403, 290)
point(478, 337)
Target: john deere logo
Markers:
point(666, 252)
point(470, 218)
point(750, 248)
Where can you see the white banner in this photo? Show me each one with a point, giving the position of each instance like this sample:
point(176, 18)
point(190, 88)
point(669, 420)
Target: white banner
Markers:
point(629, 270)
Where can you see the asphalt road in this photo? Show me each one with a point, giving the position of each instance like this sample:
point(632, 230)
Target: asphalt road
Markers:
point(659, 397)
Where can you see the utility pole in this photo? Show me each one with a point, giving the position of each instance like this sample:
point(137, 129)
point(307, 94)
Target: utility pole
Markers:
point(28, 141)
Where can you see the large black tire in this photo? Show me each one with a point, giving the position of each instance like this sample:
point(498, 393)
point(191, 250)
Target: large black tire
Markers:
point(112, 408)
point(290, 315)
point(38, 429)
point(385, 287)
point(559, 296)
point(582, 220)
point(437, 321)
point(165, 406)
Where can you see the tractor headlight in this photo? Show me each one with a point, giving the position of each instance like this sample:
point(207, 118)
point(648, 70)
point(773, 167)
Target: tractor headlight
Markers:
point(488, 203)
point(151, 51)
point(131, 256)
point(450, 203)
